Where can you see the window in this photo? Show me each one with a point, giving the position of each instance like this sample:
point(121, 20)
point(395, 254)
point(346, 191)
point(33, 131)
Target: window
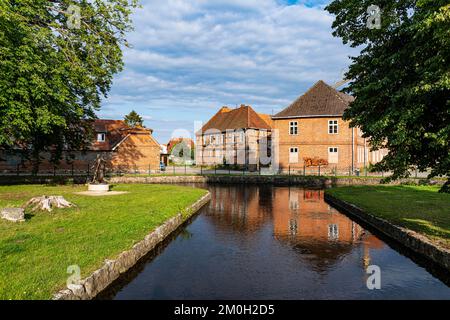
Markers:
point(293, 227)
point(293, 128)
point(332, 126)
point(333, 232)
point(293, 200)
point(293, 155)
point(101, 137)
point(333, 155)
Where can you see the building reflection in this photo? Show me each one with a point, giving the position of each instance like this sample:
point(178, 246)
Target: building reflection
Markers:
point(244, 209)
point(300, 219)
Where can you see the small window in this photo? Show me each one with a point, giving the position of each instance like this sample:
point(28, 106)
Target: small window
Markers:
point(333, 150)
point(333, 232)
point(333, 127)
point(101, 137)
point(293, 227)
point(293, 128)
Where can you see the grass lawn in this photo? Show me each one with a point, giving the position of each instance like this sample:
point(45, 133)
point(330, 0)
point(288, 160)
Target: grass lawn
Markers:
point(35, 254)
point(419, 208)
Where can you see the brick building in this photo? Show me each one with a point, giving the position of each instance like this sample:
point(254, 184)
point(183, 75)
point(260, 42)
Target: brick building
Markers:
point(312, 127)
point(234, 136)
point(124, 148)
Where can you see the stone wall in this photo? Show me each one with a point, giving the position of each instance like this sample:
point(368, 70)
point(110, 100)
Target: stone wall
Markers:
point(410, 239)
point(316, 182)
point(100, 279)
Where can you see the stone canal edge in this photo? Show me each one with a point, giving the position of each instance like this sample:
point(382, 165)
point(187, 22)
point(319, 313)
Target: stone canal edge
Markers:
point(408, 238)
point(100, 279)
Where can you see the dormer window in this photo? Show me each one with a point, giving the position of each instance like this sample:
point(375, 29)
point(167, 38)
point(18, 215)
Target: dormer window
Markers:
point(101, 137)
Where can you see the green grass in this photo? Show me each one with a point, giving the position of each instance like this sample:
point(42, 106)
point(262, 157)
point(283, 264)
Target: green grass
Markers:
point(34, 255)
point(419, 208)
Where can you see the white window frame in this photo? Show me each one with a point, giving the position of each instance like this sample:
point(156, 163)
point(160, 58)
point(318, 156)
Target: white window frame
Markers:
point(333, 149)
point(293, 227)
point(333, 231)
point(333, 127)
point(293, 128)
point(296, 151)
point(102, 135)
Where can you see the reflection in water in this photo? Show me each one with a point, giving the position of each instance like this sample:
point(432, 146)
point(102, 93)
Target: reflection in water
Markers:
point(276, 243)
point(300, 218)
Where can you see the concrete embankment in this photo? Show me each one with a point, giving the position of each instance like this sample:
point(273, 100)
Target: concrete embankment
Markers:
point(410, 239)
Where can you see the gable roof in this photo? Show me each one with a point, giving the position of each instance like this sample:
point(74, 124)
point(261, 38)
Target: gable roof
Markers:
point(243, 117)
point(320, 100)
point(267, 118)
point(116, 132)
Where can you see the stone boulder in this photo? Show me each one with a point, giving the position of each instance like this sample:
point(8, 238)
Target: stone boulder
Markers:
point(13, 214)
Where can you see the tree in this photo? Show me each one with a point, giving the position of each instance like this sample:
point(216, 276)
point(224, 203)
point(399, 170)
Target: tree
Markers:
point(401, 81)
point(57, 61)
point(133, 119)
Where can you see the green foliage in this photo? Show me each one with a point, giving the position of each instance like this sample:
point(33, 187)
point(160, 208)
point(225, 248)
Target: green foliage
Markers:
point(53, 74)
point(133, 119)
point(401, 80)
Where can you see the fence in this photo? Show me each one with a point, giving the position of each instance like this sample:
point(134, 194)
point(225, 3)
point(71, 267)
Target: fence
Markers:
point(204, 170)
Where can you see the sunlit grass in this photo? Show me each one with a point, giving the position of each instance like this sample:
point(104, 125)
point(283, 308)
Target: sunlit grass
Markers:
point(419, 208)
point(34, 255)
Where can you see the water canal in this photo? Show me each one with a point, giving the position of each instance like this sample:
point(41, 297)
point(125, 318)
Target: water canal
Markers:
point(265, 242)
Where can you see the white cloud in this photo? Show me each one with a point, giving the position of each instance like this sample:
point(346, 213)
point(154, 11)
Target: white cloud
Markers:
point(191, 57)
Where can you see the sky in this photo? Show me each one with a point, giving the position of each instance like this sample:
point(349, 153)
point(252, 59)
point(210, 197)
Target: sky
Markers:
point(191, 57)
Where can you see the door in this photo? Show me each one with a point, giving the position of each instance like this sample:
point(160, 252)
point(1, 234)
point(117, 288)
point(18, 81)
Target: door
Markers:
point(333, 155)
point(293, 155)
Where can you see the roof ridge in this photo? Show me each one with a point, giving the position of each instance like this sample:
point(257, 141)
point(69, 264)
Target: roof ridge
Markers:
point(319, 100)
point(334, 91)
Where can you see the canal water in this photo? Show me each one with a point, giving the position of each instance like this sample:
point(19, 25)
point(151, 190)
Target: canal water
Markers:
point(264, 242)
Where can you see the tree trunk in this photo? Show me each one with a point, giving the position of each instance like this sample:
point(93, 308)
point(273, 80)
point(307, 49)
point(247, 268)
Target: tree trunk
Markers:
point(47, 203)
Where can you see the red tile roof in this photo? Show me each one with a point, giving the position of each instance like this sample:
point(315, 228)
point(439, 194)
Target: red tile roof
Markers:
point(116, 131)
point(174, 141)
point(241, 118)
point(319, 101)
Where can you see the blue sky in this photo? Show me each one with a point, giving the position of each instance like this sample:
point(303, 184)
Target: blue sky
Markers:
point(189, 58)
